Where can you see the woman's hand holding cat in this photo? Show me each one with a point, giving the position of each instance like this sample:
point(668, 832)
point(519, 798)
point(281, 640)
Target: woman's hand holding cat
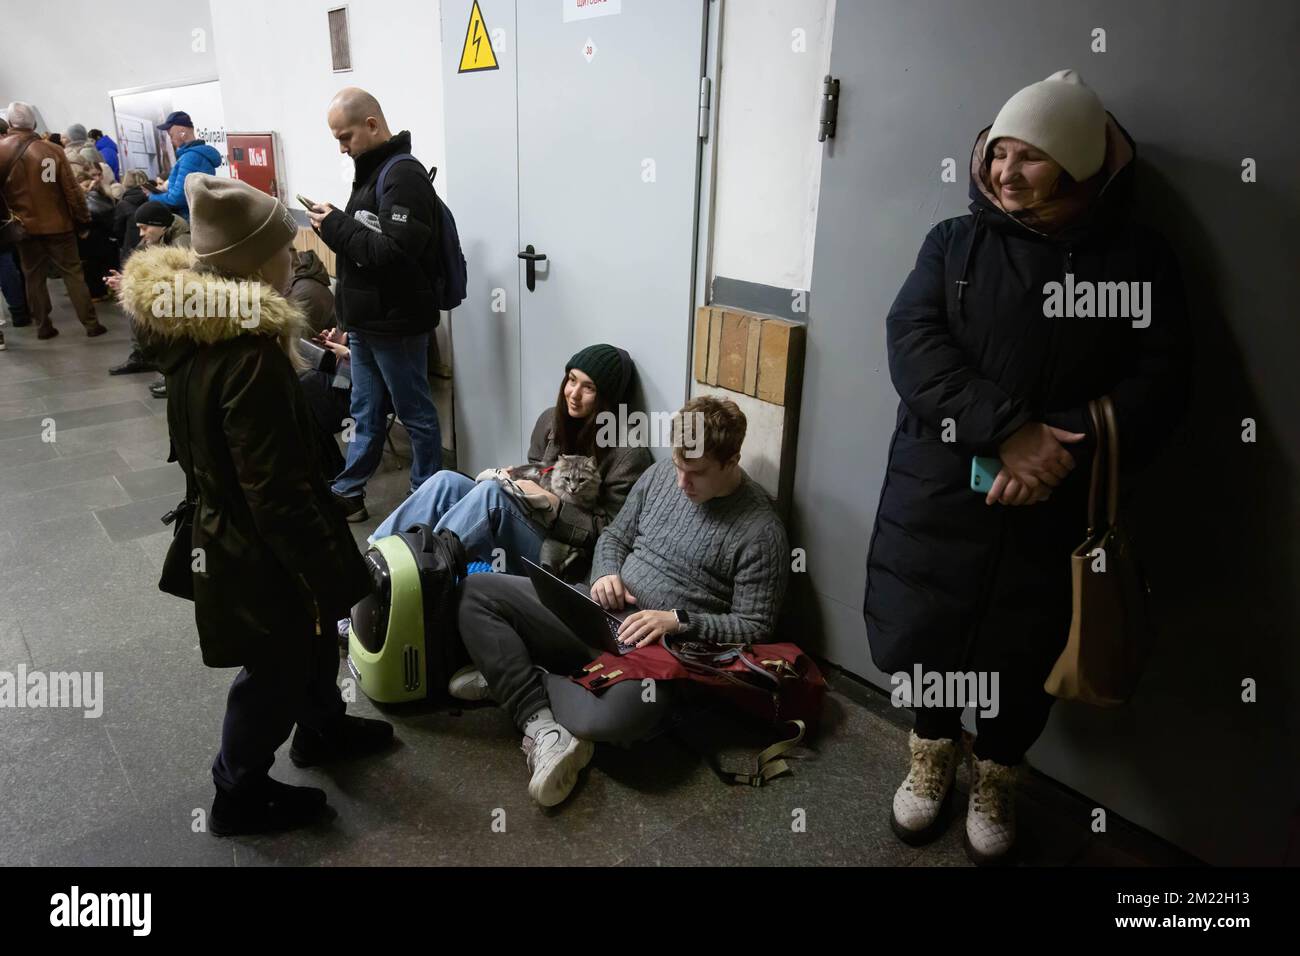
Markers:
point(610, 593)
point(533, 488)
point(646, 627)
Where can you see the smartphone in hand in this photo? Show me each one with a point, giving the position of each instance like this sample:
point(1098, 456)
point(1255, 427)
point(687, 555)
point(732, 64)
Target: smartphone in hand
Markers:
point(983, 471)
point(305, 202)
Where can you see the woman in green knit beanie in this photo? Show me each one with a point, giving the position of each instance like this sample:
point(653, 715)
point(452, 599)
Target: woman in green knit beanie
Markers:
point(486, 516)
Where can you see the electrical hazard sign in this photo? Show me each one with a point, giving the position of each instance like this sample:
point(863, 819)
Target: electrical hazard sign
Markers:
point(478, 53)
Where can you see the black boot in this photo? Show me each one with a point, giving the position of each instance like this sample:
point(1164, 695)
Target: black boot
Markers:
point(265, 808)
point(350, 737)
point(159, 388)
point(354, 508)
point(134, 363)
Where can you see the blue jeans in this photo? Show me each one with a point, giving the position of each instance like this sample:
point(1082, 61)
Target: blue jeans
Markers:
point(396, 366)
point(482, 515)
point(11, 283)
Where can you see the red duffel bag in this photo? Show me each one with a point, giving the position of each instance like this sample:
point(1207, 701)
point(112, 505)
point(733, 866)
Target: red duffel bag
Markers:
point(774, 683)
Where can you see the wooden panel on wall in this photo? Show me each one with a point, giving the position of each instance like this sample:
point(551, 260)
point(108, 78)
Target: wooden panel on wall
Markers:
point(751, 358)
point(702, 316)
point(307, 240)
point(732, 348)
point(715, 350)
point(745, 352)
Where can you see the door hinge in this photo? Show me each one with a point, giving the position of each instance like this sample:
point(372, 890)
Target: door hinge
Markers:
point(706, 89)
point(830, 108)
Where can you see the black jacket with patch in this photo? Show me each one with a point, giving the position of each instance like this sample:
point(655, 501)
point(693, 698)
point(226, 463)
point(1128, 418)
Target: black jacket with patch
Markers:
point(386, 271)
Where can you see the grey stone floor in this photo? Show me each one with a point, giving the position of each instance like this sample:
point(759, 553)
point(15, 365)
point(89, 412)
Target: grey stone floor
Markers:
point(80, 549)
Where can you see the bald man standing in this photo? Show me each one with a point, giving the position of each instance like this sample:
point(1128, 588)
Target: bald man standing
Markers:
point(387, 267)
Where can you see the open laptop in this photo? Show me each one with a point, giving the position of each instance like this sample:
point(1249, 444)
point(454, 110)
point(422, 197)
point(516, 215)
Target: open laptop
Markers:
point(590, 621)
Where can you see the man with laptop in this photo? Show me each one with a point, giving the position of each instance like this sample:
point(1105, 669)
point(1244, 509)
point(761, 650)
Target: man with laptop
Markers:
point(697, 549)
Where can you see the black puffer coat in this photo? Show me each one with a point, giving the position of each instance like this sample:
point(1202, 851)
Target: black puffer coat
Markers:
point(278, 551)
point(951, 580)
point(125, 233)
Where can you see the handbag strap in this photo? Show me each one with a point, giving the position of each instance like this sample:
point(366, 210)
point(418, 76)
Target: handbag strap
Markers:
point(1112, 460)
point(13, 163)
point(1099, 450)
point(1105, 463)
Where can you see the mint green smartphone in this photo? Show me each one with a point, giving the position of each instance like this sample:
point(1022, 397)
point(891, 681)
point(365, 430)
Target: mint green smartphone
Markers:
point(982, 472)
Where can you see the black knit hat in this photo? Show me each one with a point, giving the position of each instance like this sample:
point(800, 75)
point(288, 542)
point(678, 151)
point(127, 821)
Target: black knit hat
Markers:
point(153, 213)
point(609, 367)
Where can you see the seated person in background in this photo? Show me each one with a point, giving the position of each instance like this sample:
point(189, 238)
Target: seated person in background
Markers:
point(155, 225)
point(567, 508)
point(159, 226)
point(312, 294)
point(137, 190)
point(696, 535)
point(98, 253)
point(328, 387)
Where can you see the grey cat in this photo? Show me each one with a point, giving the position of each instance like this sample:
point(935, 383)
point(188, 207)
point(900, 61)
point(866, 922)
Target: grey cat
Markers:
point(574, 480)
point(528, 472)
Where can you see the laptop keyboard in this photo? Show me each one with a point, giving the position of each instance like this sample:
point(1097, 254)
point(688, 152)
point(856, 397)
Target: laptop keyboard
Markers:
point(613, 630)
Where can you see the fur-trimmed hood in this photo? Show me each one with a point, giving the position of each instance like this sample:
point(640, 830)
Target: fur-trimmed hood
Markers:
point(173, 303)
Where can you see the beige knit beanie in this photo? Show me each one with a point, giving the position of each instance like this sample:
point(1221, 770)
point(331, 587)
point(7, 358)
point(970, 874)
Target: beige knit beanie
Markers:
point(234, 227)
point(1062, 117)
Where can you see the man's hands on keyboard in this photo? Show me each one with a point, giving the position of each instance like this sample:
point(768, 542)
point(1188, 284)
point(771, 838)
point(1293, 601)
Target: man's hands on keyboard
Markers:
point(610, 593)
point(646, 627)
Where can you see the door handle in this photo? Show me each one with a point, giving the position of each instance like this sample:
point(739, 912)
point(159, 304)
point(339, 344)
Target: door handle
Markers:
point(532, 257)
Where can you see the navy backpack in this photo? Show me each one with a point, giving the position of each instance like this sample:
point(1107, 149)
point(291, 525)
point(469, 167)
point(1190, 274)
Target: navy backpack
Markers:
point(450, 285)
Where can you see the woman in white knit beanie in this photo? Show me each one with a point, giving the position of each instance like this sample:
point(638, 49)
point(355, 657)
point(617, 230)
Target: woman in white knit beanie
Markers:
point(989, 367)
point(1045, 149)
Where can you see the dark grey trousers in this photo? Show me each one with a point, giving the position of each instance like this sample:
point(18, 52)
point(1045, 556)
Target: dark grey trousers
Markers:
point(525, 651)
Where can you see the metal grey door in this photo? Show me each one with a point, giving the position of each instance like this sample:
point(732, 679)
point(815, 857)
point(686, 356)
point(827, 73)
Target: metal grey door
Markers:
point(608, 172)
point(481, 188)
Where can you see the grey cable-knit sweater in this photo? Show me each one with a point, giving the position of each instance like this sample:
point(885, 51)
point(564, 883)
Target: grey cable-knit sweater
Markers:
point(725, 561)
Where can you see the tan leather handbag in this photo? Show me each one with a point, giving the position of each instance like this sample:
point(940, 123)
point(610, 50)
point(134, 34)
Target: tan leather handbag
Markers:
point(1110, 630)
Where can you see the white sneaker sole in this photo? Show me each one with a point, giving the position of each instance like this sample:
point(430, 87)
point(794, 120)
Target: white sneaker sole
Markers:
point(468, 684)
point(550, 785)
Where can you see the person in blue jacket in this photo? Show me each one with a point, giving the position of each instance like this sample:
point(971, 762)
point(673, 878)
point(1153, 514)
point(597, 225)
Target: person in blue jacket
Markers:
point(107, 148)
point(193, 155)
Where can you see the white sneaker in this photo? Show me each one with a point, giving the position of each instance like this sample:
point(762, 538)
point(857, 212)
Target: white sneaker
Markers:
point(468, 683)
point(919, 801)
point(991, 816)
point(555, 757)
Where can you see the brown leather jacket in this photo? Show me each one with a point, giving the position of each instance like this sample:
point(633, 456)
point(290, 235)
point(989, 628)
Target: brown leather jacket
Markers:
point(45, 208)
